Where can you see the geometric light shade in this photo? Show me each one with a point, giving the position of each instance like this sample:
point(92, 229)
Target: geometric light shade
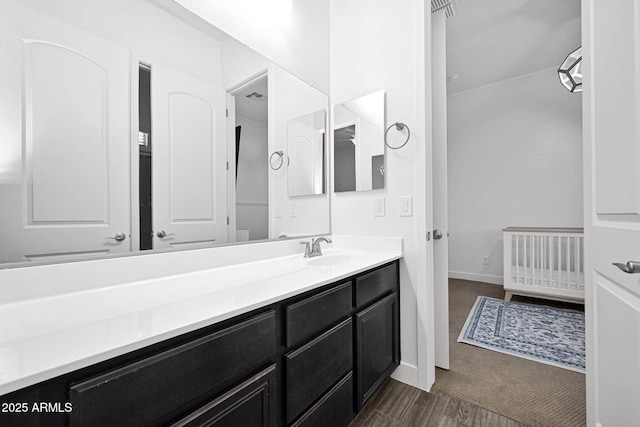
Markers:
point(570, 72)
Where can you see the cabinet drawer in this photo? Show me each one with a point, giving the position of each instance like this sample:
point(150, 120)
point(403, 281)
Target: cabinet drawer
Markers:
point(376, 283)
point(311, 315)
point(312, 369)
point(334, 409)
point(160, 387)
point(251, 403)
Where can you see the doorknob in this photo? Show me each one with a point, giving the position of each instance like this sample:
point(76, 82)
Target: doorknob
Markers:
point(437, 234)
point(631, 267)
point(119, 237)
point(163, 233)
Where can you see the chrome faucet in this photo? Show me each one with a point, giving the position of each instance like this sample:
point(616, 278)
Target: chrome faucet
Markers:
point(312, 248)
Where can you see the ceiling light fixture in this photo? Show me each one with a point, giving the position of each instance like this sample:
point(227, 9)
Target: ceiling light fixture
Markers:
point(570, 72)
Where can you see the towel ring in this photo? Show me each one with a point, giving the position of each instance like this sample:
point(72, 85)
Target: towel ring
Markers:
point(279, 153)
point(399, 127)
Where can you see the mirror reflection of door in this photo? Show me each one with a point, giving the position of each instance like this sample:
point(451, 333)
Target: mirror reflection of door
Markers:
point(250, 114)
point(189, 161)
point(305, 143)
point(64, 163)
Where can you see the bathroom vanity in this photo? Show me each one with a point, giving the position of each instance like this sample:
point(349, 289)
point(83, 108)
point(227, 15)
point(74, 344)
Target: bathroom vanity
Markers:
point(311, 357)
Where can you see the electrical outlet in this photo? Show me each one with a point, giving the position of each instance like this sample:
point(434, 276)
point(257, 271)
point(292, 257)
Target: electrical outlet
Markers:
point(293, 210)
point(278, 210)
point(485, 260)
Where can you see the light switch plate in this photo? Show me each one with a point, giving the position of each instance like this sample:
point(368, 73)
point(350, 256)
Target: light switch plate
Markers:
point(378, 206)
point(278, 210)
point(406, 206)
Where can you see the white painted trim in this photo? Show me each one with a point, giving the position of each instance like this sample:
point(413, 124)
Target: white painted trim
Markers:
point(407, 374)
point(502, 82)
point(134, 157)
point(590, 217)
point(474, 277)
point(425, 327)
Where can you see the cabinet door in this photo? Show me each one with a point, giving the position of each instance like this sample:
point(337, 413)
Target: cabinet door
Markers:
point(378, 350)
point(251, 403)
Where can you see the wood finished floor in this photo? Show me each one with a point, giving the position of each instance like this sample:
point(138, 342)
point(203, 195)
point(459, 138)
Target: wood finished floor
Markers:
point(399, 404)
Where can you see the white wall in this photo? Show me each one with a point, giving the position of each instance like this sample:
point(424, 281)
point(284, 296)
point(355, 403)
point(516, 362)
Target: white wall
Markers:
point(252, 193)
point(515, 159)
point(297, 40)
point(381, 45)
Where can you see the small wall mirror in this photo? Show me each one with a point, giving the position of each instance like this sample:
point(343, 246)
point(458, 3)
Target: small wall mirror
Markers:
point(358, 137)
point(306, 137)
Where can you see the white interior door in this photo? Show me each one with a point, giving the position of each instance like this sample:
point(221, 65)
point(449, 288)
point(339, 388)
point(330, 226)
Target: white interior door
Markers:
point(611, 103)
point(439, 173)
point(305, 171)
point(64, 139)
point(189, 174)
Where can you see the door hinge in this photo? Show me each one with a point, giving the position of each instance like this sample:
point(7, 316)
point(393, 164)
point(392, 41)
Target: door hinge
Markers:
point(227, 112)
point(227, 165)
point(227, 220)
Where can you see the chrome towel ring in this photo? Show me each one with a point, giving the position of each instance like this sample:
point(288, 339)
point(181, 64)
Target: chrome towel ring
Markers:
point(281, 157)
point(399, 127)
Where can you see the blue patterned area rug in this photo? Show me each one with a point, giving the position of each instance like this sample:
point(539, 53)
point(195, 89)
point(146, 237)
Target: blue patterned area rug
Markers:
point(545, 334)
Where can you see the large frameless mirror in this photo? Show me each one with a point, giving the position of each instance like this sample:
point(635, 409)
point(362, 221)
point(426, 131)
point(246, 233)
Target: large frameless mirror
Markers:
point(127, 130)
point(358, 138)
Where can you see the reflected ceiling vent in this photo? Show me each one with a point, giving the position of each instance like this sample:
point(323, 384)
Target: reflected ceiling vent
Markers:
point(255, 96)
point(449, 6)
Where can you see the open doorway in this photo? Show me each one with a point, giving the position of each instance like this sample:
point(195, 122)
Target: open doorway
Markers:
point(513, 158)
point(248, 151)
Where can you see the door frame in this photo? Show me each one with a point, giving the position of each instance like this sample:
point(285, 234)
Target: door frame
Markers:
point(136, 62)
point(231, 146)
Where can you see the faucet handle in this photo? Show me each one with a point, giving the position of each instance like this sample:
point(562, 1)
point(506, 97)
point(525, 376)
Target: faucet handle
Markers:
point(307, 248)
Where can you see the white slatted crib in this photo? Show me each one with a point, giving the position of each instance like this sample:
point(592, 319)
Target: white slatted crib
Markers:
point(544, 263)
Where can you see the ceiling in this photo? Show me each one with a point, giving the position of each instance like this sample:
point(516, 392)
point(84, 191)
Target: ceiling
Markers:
point(251, 101)
point(493, 40)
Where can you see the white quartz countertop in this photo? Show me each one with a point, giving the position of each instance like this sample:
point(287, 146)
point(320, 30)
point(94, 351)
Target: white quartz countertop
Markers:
point(44, 337)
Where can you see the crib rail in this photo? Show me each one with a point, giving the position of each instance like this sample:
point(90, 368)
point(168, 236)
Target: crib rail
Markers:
point(544, 261)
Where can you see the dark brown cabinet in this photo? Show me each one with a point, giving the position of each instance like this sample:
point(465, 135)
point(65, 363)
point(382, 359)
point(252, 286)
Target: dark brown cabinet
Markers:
point(251, 404)
point(334, 409)
point(316, 366)
point(311, 315)
point(148, 391)
point(377, 336)
point(311, 360)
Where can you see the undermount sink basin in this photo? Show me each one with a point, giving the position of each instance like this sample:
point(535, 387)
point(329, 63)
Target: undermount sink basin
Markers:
point(330, 259)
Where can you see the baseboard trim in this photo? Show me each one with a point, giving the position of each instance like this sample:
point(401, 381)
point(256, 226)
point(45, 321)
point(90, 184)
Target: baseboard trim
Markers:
point(484, 278)
point(407, 374)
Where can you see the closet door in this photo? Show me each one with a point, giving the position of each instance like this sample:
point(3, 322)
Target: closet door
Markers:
point(189, 161)
point(64, 139)
point(611, 100)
